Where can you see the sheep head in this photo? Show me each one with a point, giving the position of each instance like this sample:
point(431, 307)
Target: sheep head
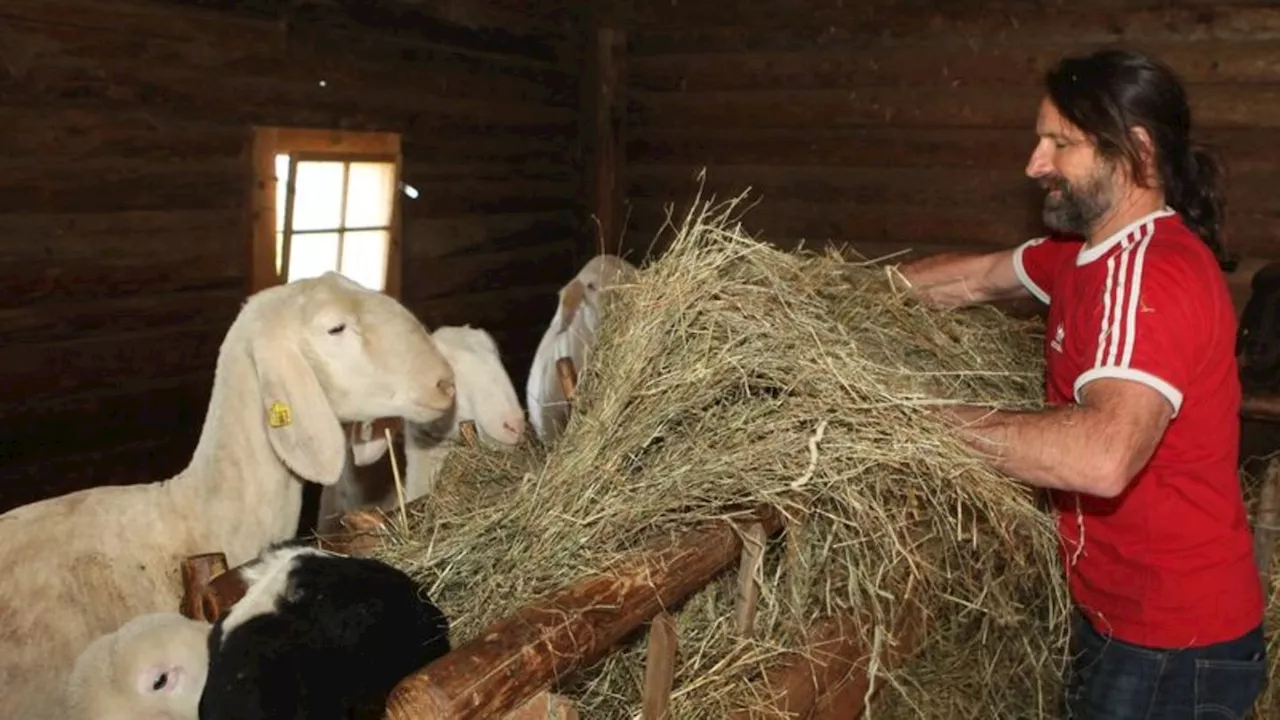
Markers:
point(330, 351)
point(598, 274)
point(485, 393)
point(153, 666)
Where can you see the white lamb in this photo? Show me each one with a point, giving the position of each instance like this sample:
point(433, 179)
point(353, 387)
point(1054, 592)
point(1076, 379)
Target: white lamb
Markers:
point(299, 359)
point(485, 395)
point(571, 334)
point(151, 668)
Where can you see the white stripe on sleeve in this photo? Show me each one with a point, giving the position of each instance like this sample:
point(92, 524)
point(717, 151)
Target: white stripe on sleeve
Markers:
point(1117, 331)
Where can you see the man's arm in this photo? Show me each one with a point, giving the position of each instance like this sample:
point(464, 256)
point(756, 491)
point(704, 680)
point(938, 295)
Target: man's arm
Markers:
point(1095, 447)
point(957, 279)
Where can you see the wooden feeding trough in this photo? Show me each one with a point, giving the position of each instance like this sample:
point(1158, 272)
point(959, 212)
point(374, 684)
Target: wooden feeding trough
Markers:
point(510, 669)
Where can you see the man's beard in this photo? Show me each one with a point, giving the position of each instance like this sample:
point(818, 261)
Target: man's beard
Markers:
point(1076, 209)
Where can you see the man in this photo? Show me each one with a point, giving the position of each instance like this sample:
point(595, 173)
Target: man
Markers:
point(1139, 443)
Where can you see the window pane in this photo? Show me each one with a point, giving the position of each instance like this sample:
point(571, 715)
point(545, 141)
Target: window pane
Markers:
point(371, 189)
point(312, 255)
point(282, 195)
point(364, 257)
point(317, 197)
point(279, 251)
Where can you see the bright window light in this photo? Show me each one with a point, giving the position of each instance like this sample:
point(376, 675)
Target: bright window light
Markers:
point(338, 218)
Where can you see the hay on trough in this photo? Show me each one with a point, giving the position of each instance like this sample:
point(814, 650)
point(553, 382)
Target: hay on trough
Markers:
point(732, 373)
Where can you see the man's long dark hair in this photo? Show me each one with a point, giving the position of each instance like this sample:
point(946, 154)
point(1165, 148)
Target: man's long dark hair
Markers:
point(1109, 92)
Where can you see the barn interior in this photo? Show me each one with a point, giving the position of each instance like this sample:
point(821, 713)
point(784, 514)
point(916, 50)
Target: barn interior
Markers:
point(165, 159)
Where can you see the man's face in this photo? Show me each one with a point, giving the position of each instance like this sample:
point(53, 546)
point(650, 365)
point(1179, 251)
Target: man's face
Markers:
point(1081, 186)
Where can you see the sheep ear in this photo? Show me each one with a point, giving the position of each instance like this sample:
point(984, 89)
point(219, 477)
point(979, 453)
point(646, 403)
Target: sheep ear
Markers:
point(570, 301)
point(302, 428)
point(367, 447)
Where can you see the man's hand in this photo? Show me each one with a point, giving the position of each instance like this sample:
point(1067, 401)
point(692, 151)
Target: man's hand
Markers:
point(1096, 447)
point(958, 279)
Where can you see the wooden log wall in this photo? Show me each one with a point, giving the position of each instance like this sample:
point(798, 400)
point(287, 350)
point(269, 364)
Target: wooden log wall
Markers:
point(909, 124)
point(125, 180)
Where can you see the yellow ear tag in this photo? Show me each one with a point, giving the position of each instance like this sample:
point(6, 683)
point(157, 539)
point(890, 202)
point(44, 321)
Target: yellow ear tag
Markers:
point(278, 415)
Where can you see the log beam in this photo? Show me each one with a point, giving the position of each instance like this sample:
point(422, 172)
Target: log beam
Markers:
point(567, 631)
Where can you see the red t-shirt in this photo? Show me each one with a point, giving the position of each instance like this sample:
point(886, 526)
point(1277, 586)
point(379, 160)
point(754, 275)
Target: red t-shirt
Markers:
point(1169, 562)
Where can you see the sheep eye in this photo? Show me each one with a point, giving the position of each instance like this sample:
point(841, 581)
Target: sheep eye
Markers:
point(591, 286)
point(160, 682)
point(336, 329)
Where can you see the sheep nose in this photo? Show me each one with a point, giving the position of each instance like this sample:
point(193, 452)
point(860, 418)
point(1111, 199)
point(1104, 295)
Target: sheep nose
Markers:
point(515, 426)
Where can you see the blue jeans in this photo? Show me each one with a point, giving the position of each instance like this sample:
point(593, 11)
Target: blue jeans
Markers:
point(1118, 681)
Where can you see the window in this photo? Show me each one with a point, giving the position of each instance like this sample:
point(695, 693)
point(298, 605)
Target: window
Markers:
point(326, 200)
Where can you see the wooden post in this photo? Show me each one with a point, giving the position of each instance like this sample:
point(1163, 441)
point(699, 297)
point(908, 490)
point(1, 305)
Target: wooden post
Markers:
point(748, 589)
point(610, 111)
point(197, 571)
point(660, 668)
point(467, 428)
point(601, 128)
point(571, 629)
point(568, 376)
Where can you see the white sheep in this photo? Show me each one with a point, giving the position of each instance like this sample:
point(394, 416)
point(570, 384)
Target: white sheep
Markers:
point(571, 334)
point(151, 668)
point(485, 395)
point(298, 360)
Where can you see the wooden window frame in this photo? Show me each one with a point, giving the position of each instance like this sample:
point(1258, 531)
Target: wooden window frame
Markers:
point(315, 144)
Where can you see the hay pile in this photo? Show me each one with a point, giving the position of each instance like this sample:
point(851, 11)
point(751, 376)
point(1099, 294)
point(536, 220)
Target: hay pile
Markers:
point(732, 373)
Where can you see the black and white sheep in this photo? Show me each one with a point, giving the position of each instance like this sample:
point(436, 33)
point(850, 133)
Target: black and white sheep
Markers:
point(318, 636)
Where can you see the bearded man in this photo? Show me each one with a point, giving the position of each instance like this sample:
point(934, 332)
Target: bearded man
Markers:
point(1138, 445)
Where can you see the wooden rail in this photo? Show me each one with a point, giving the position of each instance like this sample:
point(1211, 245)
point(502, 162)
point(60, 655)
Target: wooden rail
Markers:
point(569, 630)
